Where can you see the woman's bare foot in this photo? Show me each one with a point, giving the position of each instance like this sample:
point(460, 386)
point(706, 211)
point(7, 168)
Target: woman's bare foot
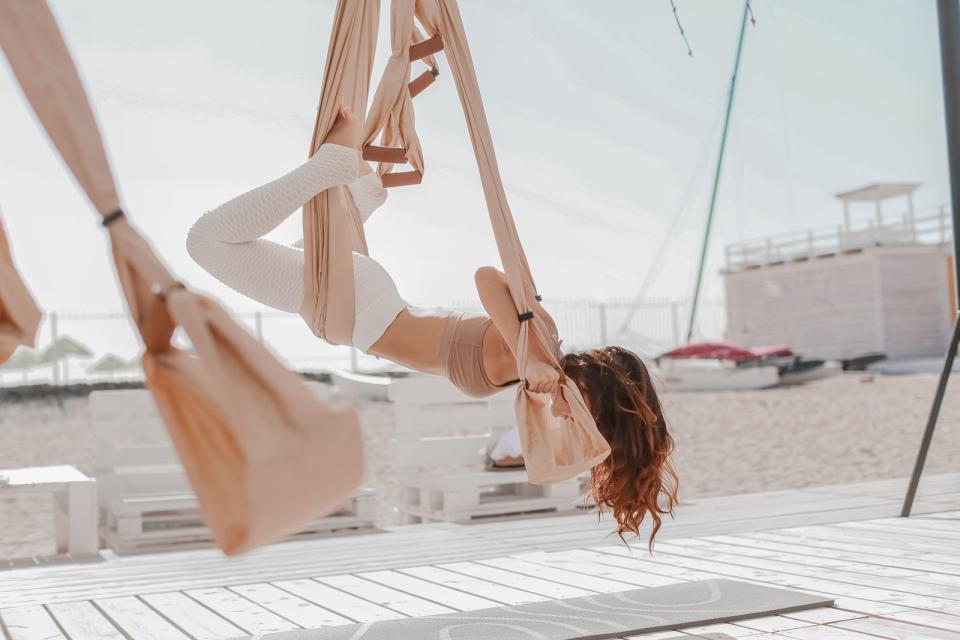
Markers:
point(345, 130)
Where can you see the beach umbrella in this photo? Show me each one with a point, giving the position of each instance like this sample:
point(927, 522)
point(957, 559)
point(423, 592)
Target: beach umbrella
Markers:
point(63, 348)
point(23, 359)
point(109, 363)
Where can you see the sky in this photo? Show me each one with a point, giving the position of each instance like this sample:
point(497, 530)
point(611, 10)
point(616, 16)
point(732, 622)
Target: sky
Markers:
point(606, 132)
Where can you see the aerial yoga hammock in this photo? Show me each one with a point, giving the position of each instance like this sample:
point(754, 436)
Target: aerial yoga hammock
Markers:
point(342, 286)
point(250, 435)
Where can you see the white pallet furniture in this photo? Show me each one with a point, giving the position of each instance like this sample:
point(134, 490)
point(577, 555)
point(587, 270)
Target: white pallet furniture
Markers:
point(145, 499)
point(441, 438)
point(74, 503)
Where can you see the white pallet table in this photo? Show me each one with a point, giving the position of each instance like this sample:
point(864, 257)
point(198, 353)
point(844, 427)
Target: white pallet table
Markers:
point(74, 503)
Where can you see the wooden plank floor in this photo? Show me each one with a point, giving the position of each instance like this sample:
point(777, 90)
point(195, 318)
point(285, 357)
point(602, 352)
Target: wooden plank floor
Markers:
point(890, 577)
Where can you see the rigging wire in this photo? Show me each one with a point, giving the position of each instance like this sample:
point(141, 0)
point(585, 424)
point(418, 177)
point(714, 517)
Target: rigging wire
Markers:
point(784, 114)
point(683, 34)
point(683, 207)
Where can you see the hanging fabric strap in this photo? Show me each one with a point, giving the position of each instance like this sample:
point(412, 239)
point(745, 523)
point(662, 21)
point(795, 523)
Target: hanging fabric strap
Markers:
point(19, 314)
point(559, 436)
point(332, 227)
point(250, 434)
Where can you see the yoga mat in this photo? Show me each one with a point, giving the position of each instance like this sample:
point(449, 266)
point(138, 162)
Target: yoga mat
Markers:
point(608, 615)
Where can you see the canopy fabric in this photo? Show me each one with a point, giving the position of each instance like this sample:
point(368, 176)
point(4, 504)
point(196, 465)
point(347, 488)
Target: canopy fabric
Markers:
point(559, 436)
point(19, 314)
point(727, 351)
point(264, 455)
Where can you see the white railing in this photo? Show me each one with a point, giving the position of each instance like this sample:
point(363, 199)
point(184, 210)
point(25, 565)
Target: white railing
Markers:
point(932, 226)
point(655, 327)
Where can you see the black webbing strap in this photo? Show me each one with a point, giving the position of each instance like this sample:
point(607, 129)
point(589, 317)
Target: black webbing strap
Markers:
point(110, 218)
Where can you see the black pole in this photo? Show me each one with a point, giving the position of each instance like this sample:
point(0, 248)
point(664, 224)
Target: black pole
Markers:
point(948, 16)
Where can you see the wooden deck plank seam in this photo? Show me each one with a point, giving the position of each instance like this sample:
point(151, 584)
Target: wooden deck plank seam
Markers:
point(847, 566)
point(234, 622)
point(737, 576)
point(814, 553)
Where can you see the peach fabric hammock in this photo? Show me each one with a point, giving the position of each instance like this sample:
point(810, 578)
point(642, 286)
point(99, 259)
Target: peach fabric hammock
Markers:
point(559, 436)
point(263, 454)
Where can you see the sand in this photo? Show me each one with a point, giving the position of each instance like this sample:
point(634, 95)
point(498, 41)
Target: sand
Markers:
point(850, 428)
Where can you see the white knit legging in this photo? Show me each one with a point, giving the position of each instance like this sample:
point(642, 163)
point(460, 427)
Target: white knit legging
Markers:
point(227, 242)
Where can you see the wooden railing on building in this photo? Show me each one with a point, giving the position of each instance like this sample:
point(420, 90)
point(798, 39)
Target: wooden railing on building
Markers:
point(930, 227)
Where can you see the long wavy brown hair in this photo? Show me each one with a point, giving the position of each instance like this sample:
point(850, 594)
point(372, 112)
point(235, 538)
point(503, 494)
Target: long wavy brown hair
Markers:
point(637, 478)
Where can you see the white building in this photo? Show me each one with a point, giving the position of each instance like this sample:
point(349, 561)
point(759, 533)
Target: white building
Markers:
point(884, 285)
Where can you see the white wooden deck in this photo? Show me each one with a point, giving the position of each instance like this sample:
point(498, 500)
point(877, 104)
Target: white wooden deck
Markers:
point(890, 577)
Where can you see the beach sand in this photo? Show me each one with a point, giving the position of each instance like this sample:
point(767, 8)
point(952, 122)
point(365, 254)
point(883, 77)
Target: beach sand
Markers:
point(849, 428)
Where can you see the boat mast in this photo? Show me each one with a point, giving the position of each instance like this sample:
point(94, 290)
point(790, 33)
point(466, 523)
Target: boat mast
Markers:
point(716, 177)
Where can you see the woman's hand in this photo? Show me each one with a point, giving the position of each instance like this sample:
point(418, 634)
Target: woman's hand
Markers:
point(542, 378)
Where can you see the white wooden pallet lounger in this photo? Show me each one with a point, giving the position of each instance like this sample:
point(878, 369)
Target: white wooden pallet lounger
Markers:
point(145, 499)
point(441, 437)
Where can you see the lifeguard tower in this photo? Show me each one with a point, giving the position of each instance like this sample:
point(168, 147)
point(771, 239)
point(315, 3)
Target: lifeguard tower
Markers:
point(882, 284)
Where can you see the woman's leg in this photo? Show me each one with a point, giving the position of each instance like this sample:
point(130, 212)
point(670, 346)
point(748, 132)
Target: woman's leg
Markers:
point(227, 240)
point(368, 194)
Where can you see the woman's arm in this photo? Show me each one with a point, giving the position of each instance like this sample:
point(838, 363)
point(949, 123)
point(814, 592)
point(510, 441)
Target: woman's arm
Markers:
point(498, 303)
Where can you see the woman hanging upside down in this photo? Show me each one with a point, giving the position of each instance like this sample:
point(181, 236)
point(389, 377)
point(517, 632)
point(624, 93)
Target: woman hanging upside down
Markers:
point(473, 351)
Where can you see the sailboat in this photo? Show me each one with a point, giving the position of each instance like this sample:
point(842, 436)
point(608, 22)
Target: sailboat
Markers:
point(722, 366)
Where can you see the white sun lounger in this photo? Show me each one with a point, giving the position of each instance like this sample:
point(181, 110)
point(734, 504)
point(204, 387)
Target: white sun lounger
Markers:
point(441, 436)
point(146, 502)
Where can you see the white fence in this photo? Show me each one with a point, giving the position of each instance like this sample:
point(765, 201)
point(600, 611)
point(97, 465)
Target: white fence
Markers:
point(932, 226)
point(656, 325)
